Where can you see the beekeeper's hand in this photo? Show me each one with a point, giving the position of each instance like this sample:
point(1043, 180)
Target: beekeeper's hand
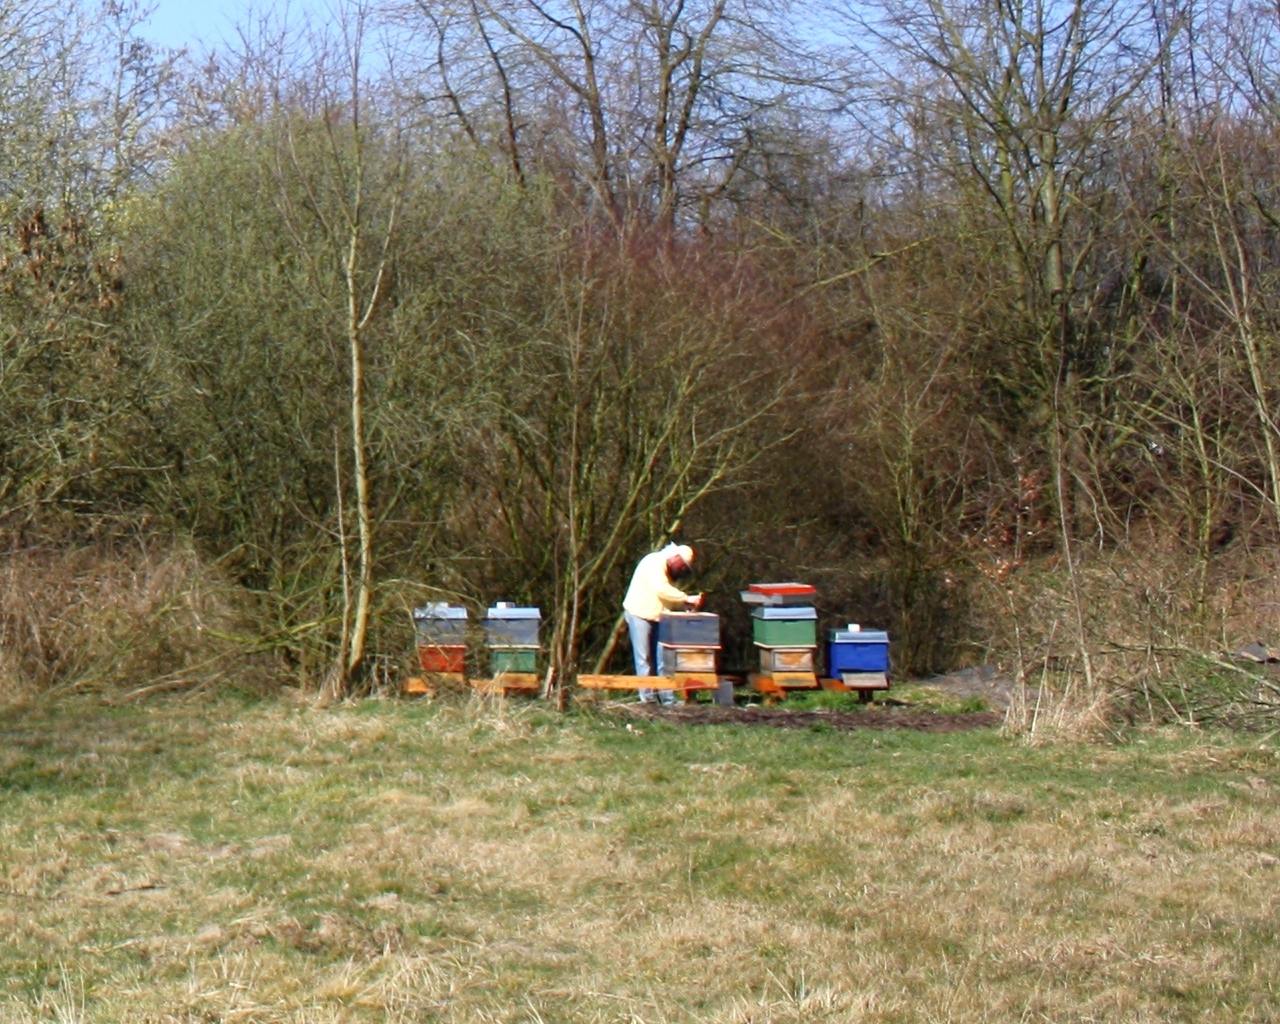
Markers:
point(694, 601)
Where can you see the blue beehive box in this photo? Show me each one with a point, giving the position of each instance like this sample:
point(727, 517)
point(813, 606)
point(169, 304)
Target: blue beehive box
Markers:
point(506, 625)
point(858, 650)
point(440, 624)
point(689, 629)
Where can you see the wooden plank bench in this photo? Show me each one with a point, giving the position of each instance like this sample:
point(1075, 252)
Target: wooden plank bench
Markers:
point(687, 681)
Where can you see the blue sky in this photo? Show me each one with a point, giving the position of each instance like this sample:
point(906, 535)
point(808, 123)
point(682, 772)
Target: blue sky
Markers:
point(190, 23)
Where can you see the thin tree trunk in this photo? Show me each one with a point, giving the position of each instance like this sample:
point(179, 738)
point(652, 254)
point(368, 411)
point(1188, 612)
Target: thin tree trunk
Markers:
point(360, 627)
point(1060, 457)
point(334, 684)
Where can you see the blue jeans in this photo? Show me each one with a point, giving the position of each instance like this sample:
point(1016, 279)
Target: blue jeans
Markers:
point(648, 656)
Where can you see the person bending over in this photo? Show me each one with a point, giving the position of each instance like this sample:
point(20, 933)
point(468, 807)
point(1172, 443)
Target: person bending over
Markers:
point(651, 593)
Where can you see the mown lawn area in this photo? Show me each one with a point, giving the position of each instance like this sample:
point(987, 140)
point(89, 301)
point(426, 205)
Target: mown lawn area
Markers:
point(238, 860)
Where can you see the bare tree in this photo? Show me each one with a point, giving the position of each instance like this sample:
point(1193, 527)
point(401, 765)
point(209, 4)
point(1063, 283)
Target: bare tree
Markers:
point(343, 173)
point(82, 108)
point(651, 105)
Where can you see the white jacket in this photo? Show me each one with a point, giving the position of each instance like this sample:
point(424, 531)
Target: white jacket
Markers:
point(651, 592)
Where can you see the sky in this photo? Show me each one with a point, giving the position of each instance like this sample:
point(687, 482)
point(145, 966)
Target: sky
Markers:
point(199, 23)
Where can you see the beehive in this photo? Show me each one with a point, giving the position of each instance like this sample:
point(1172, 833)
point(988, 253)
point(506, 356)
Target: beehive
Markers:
point(857, 650)
point(513, 659)
point(689, 629)
point(786, 659)
point(784, 627)
point(440, 624)
point(509, 625)
point(511, 634)
point(688, 659)
point(450, 658)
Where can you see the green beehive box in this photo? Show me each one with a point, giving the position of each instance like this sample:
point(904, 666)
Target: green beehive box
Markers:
point(785, 627)
point(779, 633)
point(513, 659)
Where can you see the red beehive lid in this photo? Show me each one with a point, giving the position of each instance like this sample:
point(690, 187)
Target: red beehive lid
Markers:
point(782, 589)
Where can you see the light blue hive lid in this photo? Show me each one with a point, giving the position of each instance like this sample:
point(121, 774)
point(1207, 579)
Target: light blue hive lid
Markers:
point(507, 610)
point(858, 636)
point(784, 614)
point(438, 610)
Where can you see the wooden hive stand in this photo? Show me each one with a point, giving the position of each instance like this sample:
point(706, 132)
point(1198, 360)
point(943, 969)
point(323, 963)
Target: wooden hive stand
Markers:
point(417, 686)
point(864, 684)
point(775, 686)
point(783, 669)
point(505, 684)
point(432, 684)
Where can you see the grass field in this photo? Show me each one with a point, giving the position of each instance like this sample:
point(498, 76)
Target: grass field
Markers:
point(242, 861)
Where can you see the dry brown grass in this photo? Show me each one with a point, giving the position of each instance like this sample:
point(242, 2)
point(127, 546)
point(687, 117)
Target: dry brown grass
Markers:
point(115, 616)
point(211, 862)
point(1157, 634)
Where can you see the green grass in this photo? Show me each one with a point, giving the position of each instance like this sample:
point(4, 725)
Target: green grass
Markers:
point(241, 861)
point(923, 698)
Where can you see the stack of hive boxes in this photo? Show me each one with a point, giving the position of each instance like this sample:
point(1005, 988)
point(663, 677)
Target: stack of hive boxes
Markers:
point(784, 627)
point(442, 638)
point(689, 649)
point(511, 634)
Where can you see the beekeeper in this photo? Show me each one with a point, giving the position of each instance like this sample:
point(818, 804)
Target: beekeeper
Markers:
point(651, 593)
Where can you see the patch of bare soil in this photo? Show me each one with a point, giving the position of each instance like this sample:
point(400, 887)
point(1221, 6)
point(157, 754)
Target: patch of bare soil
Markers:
point(981, 681)
point(842, 721)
